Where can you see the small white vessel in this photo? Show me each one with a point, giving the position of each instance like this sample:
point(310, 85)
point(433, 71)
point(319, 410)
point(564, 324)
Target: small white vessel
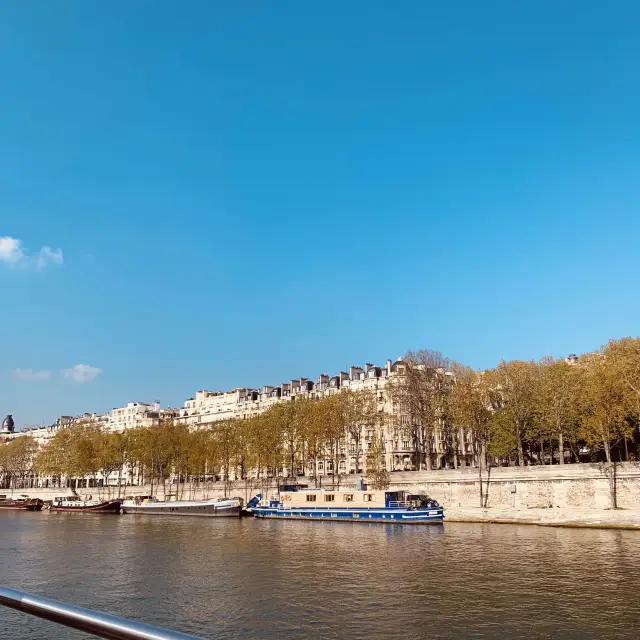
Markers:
point(210, 508)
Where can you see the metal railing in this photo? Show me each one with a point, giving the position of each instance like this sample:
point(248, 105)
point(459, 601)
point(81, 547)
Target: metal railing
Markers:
point(99, 624)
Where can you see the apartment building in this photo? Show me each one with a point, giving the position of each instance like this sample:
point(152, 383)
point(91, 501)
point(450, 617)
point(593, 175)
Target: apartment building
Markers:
point(402, 450)
point(208, 407)
point(135, 415)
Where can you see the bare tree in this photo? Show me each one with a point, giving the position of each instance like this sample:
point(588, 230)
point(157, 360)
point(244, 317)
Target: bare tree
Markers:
point(419, 392)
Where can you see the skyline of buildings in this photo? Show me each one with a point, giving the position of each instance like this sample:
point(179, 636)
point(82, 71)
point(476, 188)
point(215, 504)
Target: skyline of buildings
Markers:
point(206, 408)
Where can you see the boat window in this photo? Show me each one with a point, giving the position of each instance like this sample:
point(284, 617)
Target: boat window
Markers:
point(311, 498)
point(329, 498)
point(369, 497)
point(348, 497)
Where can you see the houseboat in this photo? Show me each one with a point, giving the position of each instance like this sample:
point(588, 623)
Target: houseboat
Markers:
point(24, 503)
point(210, 508)
point(76, 504)
point(369, 505)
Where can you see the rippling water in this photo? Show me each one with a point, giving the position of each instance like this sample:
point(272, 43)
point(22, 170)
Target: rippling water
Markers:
point(232, 579)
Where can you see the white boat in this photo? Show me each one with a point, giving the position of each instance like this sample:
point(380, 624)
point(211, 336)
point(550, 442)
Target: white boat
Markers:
point(209, 508)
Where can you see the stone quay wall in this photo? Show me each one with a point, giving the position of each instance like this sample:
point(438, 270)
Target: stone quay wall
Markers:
point(566, 486)
point(559, 495)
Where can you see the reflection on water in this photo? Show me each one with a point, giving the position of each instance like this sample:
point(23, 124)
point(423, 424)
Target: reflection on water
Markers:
point(228, 578)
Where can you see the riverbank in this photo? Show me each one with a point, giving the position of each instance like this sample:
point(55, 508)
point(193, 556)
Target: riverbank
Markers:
point(586, 518)
point(572, 495)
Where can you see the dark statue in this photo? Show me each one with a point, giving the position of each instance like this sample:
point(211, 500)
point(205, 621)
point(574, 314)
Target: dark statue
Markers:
point(8, 424)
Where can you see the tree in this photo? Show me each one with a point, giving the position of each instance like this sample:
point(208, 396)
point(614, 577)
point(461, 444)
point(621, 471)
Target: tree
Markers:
point(420, 393)
point(604, 409)
point(314, 435)
point(270, 438)
point(108, 454)
point(18, 459)
point(53, 459)
point(359, 412)
point(377, 472)
point(559, 402)
point(289, 416)
point(625, 357)
point(335, 414)
point(514, 398)
point(471, 410)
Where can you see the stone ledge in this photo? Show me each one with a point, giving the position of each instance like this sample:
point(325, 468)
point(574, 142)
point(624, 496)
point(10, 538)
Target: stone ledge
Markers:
point(552, 517)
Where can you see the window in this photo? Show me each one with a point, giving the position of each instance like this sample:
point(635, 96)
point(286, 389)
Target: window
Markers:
point(348, 497)
point(369, 497)
point(311, 498)
point(329, 498)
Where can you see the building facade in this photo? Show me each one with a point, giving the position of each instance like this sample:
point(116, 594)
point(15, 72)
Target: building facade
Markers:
point(401, 450)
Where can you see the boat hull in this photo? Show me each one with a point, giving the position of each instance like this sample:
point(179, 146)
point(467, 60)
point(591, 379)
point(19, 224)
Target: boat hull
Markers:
point(205, 509)
point(111, 506)
point(19, 505)
point(386, 516)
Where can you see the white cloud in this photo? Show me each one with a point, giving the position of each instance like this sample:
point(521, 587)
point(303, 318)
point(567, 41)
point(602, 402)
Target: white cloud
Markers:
point(31, 374)
point(13, 254)
point(82, 373)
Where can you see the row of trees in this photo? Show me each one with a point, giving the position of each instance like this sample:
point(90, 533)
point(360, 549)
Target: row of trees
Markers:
point(524, 412)
point(17, 462)
point(530, 411)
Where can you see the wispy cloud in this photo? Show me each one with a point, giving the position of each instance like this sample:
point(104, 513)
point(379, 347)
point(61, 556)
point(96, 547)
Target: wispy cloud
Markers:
point(31, 374)
point(13, 254)
point(81, 373)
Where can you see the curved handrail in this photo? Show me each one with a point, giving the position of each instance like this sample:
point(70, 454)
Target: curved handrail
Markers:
point(99, 624)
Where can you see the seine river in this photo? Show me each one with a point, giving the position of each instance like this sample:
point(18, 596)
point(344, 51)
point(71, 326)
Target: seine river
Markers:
point(233, 579)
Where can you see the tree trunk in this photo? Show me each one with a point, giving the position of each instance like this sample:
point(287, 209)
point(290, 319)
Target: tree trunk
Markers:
point(520, 449)
point(561, 446)
point(427, 460)
point(611, 475)
point(542, 456)
point(626, 450)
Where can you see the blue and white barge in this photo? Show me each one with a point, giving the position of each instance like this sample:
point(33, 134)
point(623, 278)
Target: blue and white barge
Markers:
point(351, 505)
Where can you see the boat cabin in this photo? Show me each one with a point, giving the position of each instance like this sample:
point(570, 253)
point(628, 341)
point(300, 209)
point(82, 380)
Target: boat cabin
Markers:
point(140, 499)
point(350, 498)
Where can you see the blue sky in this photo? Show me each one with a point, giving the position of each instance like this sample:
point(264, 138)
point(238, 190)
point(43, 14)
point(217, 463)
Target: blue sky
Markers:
point(245, 193)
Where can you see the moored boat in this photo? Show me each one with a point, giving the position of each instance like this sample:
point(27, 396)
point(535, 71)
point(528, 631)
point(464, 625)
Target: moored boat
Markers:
point(206, 508)
point(73, 503)
point(22, 504)
point(392, 507)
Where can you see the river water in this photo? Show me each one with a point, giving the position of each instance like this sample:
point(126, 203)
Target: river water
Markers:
point(232, 579)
